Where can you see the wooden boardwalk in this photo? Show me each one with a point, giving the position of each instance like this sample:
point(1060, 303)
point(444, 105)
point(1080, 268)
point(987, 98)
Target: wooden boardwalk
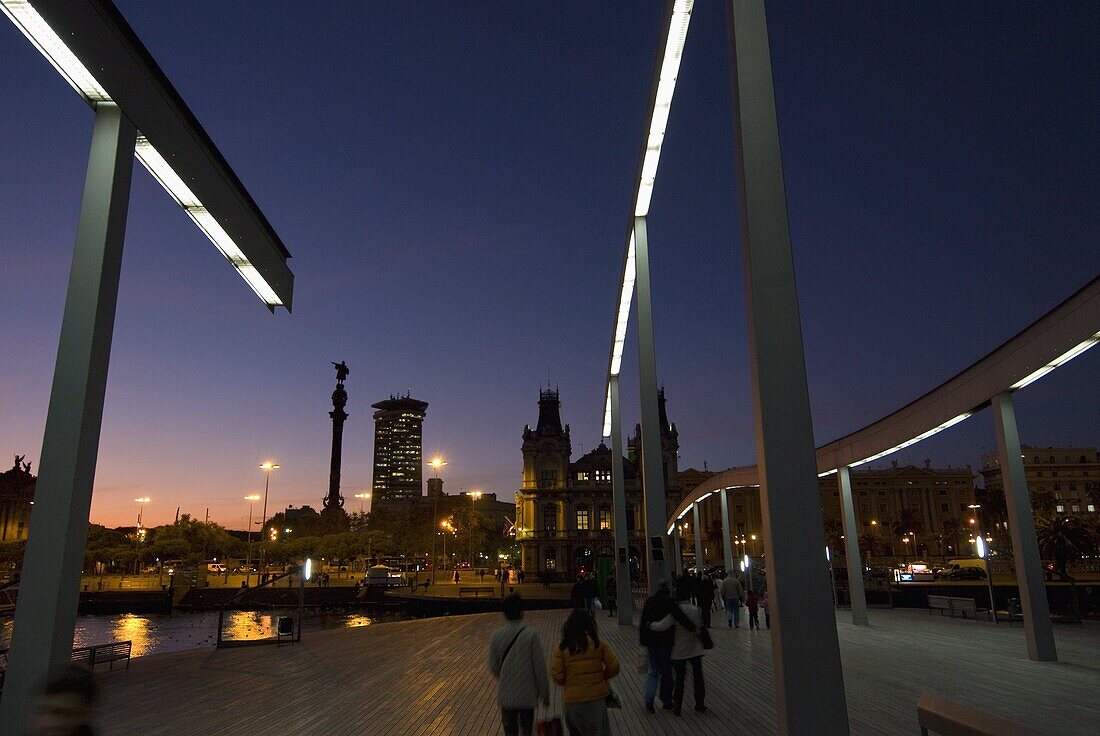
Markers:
point(429, 678)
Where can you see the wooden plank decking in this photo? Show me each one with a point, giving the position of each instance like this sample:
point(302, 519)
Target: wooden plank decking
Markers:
point(429, 678)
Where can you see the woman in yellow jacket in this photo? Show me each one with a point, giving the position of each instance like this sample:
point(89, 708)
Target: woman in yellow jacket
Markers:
point(583, 664)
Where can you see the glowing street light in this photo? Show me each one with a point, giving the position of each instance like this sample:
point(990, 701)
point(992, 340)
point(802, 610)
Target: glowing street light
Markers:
point(436, 463)
point(268, 467)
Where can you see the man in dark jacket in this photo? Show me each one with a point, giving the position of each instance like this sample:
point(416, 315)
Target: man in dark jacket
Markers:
point(659, 644)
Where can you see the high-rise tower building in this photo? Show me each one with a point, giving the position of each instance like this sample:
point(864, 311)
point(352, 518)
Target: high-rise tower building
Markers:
point(398, 451)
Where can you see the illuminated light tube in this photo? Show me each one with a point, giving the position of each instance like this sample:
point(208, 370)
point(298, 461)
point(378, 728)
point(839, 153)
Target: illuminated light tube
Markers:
point(915, 440)
point(826, 473)
point(662, 103)
point(1059, 361)
point(705, 496)
point(163, 172)
point(165, 175)
point(39, 33)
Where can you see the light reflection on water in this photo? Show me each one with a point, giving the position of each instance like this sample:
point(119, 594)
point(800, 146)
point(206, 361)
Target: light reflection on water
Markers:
point(159, 633)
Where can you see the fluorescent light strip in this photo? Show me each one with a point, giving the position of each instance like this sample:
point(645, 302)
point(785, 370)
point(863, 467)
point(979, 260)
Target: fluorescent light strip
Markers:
point(658, 120)
point(827, 472)
point(915, 440)
point(607, 414)
point(662, 103)
point(163, 172)
point(39, 33)
point(1059, 361)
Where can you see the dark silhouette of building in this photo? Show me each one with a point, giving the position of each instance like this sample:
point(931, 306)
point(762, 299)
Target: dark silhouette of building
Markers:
point(398, 452)
point(16, 499)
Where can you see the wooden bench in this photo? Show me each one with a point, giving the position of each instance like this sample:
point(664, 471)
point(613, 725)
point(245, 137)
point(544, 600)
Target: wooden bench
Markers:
point(937, 714)
point(103, 654)
point(476, 592)
point(952, 606)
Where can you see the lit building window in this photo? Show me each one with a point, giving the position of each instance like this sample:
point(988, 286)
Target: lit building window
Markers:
point(605, 520)
point(603, 476)
point(582, 476)
point(583, 519)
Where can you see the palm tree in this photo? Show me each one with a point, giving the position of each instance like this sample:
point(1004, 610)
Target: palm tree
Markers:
point(908, 520)
point(950, 531)
point(870, 544)
point(1064, 539)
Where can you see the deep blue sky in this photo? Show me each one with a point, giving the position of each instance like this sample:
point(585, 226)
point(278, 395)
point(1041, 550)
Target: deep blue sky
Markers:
point(454, 183)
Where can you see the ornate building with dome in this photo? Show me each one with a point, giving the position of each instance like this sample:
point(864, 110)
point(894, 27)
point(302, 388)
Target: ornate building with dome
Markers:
point(564, 508)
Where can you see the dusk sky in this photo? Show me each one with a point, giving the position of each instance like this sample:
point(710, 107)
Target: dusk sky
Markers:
point(454, 183)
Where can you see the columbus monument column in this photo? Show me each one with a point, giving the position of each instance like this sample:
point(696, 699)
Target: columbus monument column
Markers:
point(339, 400)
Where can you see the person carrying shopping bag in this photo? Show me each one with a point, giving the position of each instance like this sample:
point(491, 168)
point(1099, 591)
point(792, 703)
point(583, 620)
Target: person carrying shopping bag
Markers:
point(583, 664)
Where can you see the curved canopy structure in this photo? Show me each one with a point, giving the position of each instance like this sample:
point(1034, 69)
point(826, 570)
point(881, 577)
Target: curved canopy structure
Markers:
point(1057, 337)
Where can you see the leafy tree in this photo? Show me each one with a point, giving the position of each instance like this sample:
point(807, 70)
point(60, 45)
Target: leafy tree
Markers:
point(950, 532)
point(908, 520)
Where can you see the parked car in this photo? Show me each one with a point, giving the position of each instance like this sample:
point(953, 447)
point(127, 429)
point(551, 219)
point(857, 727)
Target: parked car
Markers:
point(966, 573)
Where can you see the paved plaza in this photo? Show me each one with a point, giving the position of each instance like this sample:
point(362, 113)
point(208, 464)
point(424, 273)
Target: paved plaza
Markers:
point(429, 677)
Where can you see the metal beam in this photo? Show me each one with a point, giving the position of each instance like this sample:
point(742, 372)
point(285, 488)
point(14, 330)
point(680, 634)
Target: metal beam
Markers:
point(624, 599)
point(49, 589)
point(808, 679)
point(699, 560)
point(653, 474)
point(1038, 629)
point(851, 548)
point(727, 541)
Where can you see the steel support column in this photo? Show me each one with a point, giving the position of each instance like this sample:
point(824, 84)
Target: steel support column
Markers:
point(1021, 524)
point(677, 566)
point(851, 548)
point(696, 520)
point(624, 599)
point(49, 590)
point(727, 540)
point(809, 682)
point(653, 474)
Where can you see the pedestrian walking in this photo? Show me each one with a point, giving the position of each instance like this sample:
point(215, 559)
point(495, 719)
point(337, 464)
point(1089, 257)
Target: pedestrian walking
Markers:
point(456, 577)
point(610, 593)
point(583, 664)
point(658, 644)
point(517, 662)
point(732, 594)
point(753, 604)
point(521, 577)
point(687, 648)
point(767, 610)
point(704, 595)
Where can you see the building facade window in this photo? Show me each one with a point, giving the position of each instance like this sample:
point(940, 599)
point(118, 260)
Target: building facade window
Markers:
point(603, 476)
point(550, 517)
point(584, 520)
point(605, 520)
point(582, 476)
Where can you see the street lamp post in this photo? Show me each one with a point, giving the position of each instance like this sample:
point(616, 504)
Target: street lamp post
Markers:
point(363, 497)
point(267, 467)
point(983, 552)
point(474, 496)
point(253, 498)
point(141, 507)
point(436, 463)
